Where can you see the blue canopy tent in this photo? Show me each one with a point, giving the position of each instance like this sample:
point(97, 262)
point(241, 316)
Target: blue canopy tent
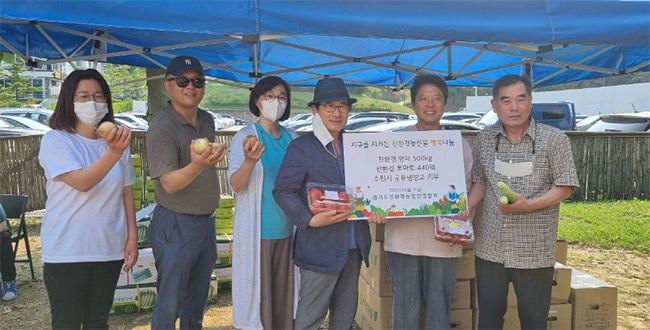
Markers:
point(381, 43)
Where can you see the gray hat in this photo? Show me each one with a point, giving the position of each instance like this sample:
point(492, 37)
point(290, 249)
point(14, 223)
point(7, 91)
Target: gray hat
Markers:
point(330, 90)
point(181, 64)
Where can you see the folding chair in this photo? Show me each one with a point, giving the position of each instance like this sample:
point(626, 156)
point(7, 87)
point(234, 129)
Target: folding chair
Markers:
point(14, 206)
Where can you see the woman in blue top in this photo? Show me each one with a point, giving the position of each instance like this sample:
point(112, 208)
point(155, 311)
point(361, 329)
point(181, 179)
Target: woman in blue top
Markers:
point(262, 270)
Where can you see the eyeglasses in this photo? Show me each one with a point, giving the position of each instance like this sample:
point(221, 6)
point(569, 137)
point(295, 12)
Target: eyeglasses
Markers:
point(85, 97)
point(183, 82)
point(330, 108)
point(270, 97)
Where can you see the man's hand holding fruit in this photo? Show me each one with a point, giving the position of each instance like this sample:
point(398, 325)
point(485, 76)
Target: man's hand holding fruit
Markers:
point(511, 202)
point(206, 153)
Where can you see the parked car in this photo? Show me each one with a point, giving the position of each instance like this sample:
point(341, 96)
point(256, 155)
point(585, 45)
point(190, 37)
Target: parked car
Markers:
point(133, 119)
point(400, 124)
point(461, 116)
point(140, 115)
point(40, 115)
point(236, 120)
point(23, 122)
point(219, 121)
point(358, 123)
point(561, 115)
point(389, 115)
point(296, 119)
point(7, 129)
point(121, 122)
point(584, 124)
point(623, 122)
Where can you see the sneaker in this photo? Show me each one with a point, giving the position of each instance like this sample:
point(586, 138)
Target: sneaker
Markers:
point(9, 290)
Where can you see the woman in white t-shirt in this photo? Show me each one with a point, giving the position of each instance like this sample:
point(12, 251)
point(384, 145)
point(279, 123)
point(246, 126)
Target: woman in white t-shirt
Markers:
point(89, 231)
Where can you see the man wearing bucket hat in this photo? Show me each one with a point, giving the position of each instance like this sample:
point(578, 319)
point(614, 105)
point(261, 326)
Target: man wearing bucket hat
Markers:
point(328, 249)
point(187, 193)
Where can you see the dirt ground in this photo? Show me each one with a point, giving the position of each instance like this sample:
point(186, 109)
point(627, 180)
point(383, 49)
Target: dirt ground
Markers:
point(629, 272)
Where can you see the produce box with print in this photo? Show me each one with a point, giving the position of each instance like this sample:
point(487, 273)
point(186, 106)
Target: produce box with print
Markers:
point(224, 225)
point(128, 300)
point(226, 201)
point(143, 272)
point(224, 276)
point(224, 212)
point(224, 251)
point(139, 298)
point(594, 302)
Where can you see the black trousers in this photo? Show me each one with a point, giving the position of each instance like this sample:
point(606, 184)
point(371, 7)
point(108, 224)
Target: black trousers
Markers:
point(81, 293)
point(7, 265)
point(532, 287)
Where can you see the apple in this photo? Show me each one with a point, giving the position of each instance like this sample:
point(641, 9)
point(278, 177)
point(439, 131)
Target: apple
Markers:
point(200, 145)
point(104, 129)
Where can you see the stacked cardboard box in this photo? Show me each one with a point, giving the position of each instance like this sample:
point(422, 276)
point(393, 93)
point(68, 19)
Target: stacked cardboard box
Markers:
point(593, 301)
point(224, 217)
point(143, 189)
point(375, 297)
point(136, 289)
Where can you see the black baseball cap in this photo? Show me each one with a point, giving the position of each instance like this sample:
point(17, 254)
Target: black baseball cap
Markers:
point(183, 63)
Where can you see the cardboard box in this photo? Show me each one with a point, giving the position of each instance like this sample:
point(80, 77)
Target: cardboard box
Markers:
point(559, 317)
point(224, 212)
point(461, 298)
point(377, 275)
point(560, 290)
point(561, 284)
point(143, 272)
point(377, 232)
point(561, 251)
point(224, 251)
point(223, 275)
point(226, 201)
point(143, 234)
point(594, 302)
point(465, 269)
point(373, 312)
point(462, 319)
point(135, 299)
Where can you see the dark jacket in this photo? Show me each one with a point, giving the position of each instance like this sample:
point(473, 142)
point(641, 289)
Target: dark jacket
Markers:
point(323, 249)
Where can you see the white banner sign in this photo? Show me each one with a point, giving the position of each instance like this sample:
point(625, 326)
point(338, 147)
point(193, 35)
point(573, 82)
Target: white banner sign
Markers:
point(405, 174)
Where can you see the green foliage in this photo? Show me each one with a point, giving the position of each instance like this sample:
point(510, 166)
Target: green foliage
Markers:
point(126, 82)
point(607, 224)
point(19, 90)
point(122, 106)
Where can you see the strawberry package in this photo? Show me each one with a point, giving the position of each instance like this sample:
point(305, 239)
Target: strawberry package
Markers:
point(452, 230)
point(326, 197)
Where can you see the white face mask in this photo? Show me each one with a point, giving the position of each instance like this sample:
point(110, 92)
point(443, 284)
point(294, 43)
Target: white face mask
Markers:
point(320, 131)
point(272, 110)
point(90, 113)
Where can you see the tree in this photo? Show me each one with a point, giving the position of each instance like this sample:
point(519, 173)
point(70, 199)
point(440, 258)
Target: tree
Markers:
point(18, 89)
point(126, 82)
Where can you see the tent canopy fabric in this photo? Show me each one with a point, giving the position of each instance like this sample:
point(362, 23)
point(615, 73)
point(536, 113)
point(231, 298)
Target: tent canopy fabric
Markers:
point(365, 42)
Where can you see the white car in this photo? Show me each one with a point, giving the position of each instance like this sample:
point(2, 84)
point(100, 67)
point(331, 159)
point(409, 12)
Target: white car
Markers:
point(221, 122)
point(133, 119)
point(24, 123)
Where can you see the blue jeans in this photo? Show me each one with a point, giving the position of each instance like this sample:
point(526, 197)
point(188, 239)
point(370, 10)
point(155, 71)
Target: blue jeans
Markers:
point(421, 280)
point(185, 250)
point(532, 287)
